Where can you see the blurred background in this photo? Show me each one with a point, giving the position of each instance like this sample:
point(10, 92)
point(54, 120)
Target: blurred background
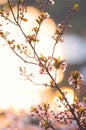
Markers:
point(74, 49)
point(75, 38)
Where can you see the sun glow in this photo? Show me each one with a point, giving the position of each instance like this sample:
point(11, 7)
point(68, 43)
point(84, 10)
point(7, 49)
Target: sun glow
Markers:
point(69, 93)
point(2, 2)
point(53, 97)
point(14, 91)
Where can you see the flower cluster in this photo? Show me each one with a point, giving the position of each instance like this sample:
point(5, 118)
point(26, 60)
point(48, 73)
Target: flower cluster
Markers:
point(61, 27)
point(43, 4)
point(76, 78)
point(31, 38)
point(48, 118)
point(80, 111)
point(42, 17)
point(57, 35)
point(45, 63)
point(51, 64)
point(39, 20)
point(44, 113)
point(60, 64)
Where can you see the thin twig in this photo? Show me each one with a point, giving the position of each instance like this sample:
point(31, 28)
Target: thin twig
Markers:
point(23, 58)
point(18, 11)
point(12, 11)
point(54, 48)
point(8, 19)
point(65, 99)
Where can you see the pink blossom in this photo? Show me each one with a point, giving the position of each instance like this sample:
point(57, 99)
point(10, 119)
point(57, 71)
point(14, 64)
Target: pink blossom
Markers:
point(41, 71)
point(47, 15)
point(50, 65)
point(51, 2)
point(63, 65)
point(27, 39)
point(75, 79)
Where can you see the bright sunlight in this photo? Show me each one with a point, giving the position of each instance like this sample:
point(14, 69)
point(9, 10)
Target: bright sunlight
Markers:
point(15, 91)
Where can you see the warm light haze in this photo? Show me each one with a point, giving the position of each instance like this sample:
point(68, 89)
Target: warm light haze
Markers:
point(2, 2)
point(14, 90)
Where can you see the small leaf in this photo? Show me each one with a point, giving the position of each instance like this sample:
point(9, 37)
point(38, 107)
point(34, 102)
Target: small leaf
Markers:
point(38, 21)
point(18, 46)
point(23, 19)
point(36, 29)
point(76, 7)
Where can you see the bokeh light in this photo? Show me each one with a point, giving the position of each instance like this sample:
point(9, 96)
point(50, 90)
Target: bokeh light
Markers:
point(69, 93)
point(53, 97)
point(74, 49)
point(2, 2)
